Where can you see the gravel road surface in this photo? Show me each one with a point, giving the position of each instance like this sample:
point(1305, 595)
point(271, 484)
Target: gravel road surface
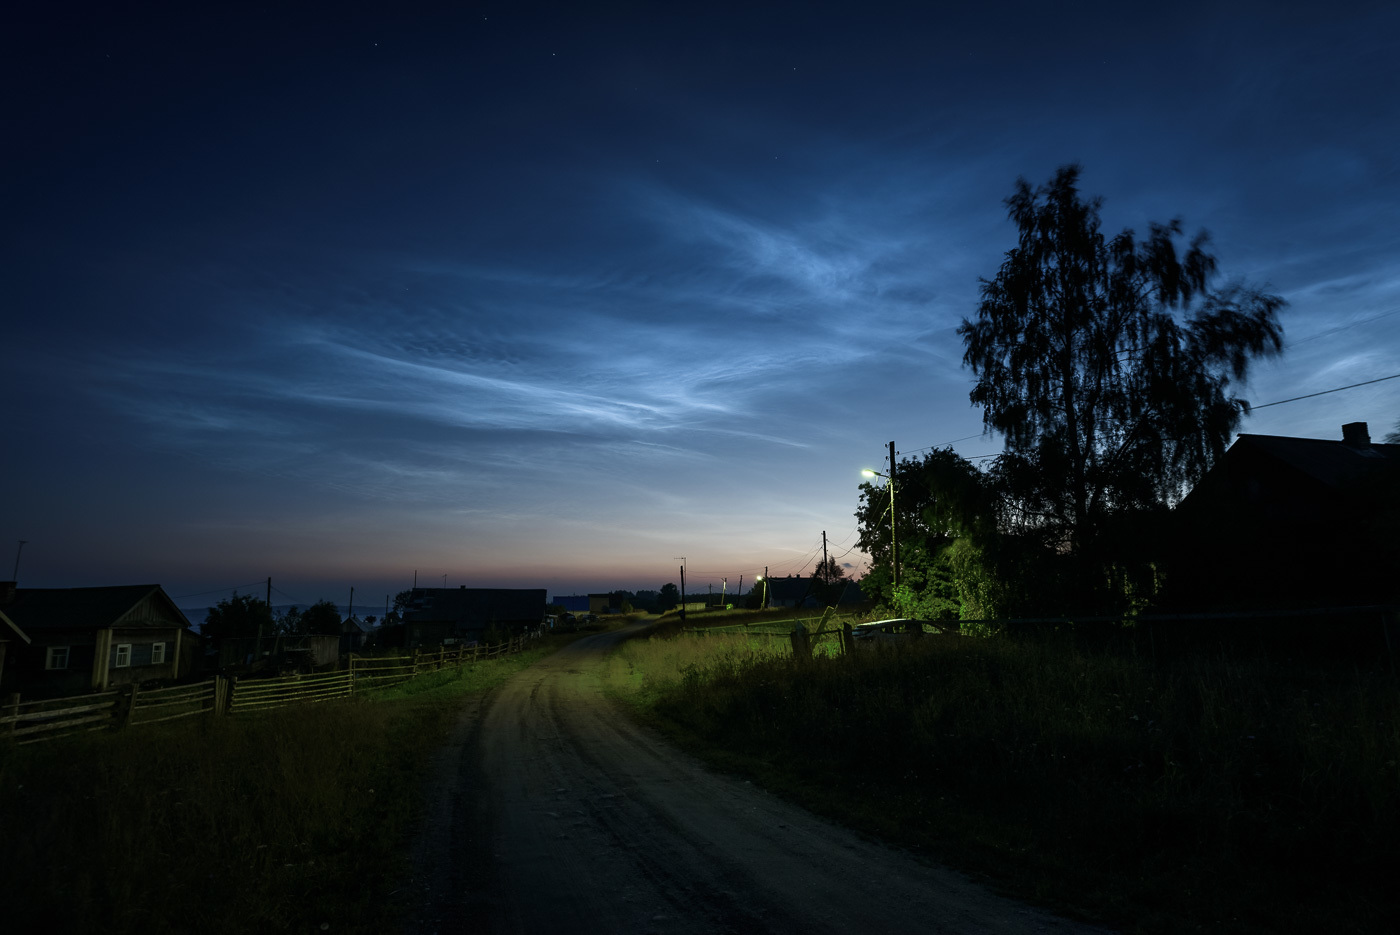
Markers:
point(554, 812)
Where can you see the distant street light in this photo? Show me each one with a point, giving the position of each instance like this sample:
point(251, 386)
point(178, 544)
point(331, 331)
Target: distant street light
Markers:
point(764, 604)
point(894, 549)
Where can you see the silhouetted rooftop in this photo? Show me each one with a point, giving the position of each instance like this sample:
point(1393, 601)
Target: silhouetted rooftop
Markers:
point(40, 608)
point(1332, 461)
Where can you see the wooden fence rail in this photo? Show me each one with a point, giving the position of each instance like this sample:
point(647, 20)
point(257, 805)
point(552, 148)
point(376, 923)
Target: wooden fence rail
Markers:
point(30, 721)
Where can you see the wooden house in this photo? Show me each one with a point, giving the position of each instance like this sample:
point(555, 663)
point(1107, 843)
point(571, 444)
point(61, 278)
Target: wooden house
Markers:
point(1283, 521)
point(81, 639)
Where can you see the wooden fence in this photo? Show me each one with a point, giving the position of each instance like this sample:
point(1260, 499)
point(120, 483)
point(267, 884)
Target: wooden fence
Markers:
point(806, 633)
point(30, 721)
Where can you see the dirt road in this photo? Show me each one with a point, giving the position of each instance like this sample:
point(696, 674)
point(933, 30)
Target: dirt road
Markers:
point(553, 812)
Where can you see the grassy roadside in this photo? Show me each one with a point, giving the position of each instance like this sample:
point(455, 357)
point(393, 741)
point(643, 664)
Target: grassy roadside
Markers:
point(1211, 795)
point(292, 820)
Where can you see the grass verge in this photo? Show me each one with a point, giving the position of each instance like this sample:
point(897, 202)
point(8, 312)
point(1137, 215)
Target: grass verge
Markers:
point(291, 820)
point(1209, 795)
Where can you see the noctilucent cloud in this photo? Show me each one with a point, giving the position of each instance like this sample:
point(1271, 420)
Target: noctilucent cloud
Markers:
point(526, 296)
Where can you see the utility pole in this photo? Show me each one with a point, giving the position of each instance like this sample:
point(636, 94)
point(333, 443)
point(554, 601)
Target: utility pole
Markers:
point(682, 561)
point(15, 576)
point(269, 618)
point(823, 554)
point(723, 591)
point(765, 587)
point(444, 581)
point(352, 603)
point(894, 546)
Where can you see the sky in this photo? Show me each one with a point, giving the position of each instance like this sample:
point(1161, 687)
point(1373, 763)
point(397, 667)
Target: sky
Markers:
point(556, 296)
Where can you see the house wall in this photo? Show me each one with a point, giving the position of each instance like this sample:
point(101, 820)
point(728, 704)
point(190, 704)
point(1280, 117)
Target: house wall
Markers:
point(139, 667)
point(25, 666)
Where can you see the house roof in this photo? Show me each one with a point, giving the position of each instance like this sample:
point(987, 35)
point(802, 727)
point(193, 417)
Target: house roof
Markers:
point(96, 608)
point(475, 605)
point(1334, 463)
point(354, 625)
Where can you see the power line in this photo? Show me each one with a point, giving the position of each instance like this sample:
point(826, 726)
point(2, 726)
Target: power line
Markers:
point(181, 597)
point(944, 444)
point(1350, 324)
point(291, 598)
point(1336, 389)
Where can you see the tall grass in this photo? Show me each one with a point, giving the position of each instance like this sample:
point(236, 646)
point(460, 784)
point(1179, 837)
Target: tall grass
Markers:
point(1219, 794)
point(288, 820)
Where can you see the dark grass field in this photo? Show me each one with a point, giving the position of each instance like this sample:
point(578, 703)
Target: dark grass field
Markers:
point(1208, 794)
point(286, 821)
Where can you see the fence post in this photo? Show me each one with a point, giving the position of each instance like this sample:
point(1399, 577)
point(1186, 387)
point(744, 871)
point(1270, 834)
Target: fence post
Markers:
point(220, 686)
point(124, 719)
point(12, 705)
point(846, 637)
point(801, 649)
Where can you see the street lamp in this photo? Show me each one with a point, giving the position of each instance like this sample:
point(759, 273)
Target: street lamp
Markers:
point(894, 548)
point(764, 579)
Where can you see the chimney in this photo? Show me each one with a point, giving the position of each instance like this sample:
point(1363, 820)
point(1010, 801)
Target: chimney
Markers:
point(7, 592)
point(1356, 435)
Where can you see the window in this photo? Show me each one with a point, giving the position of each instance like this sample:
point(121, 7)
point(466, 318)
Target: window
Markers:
point(157, 653)
point(122, 657)
point(56, 658)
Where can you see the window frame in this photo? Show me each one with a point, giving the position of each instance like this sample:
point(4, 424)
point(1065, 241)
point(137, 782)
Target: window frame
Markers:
point(121, 656)
point(158, 653)
point(52, 651)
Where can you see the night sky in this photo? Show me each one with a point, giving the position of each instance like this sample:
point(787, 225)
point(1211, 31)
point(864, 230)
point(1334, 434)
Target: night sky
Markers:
point(551, 297)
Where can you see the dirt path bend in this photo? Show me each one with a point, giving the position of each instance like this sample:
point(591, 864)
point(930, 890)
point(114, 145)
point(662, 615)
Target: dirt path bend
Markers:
point(554, 812)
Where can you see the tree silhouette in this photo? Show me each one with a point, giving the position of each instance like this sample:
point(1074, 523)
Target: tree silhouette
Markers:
point(322, 618)
point(241, 615)
point(1106, 364)
point(940, 497)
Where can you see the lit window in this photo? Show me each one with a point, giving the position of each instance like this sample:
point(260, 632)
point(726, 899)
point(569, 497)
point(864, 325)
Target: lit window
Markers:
point(57, 658)
point(157, 653)
point(123, 656)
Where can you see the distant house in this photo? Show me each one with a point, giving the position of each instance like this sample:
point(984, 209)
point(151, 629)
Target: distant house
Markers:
point(301, 652)
point(1286, 521)
point(444, 616)
point(601, 604)
point(354, 632)
point(82, 639)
